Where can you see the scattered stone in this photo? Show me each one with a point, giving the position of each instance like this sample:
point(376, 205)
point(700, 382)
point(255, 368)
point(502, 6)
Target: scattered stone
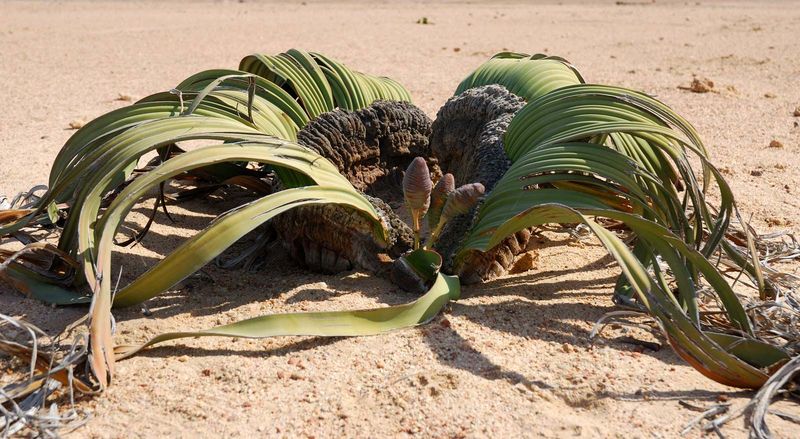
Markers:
point(777, 222)
point(424, 20)
point(124, 97)
point(775, 144)
point(630, 3)
point(524, 263)
point(756, 172)
point(77, 124)
point(770, 95)
point(456, 49)
point(796, 112)
point(206, 372)
point(699, 85)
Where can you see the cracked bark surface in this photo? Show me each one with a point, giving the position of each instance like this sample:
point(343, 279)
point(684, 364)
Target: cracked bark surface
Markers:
point(371, 147)
point(467, 141)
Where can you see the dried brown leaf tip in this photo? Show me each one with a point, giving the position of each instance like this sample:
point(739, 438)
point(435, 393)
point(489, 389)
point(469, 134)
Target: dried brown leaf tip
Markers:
point(444, 187)
point(775, 144)
point(417, 186)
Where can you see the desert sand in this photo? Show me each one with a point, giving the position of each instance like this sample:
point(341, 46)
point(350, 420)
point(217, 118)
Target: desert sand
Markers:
point(512, 358)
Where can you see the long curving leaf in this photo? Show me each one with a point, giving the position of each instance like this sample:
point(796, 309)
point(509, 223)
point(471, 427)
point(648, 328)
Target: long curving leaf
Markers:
point(527, 76)
point(326, 323)
point(328, 187)
point(720, 362)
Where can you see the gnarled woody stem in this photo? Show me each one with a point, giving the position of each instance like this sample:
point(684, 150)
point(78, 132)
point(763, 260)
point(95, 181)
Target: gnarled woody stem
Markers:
point(467, 141)
point(372, 147)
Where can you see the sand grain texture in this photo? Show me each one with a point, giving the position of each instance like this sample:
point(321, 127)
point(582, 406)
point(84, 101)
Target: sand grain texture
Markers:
point(512, 358)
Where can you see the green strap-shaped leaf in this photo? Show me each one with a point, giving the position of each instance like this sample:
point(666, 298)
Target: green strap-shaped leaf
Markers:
point(326, 323)
point(701, 350)
point(193, 254)
point(526, 76)
point(332, 187)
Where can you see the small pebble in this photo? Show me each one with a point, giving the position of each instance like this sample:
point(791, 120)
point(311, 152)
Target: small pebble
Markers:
point(77, 124)
point(699, 85)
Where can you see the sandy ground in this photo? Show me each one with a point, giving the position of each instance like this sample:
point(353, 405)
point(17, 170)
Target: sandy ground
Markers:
point(510, 359)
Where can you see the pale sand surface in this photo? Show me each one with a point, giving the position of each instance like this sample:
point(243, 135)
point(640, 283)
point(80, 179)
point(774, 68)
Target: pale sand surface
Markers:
point(510, 359)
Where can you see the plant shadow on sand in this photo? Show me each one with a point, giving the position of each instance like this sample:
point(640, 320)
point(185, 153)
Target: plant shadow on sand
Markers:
point(530, 305)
